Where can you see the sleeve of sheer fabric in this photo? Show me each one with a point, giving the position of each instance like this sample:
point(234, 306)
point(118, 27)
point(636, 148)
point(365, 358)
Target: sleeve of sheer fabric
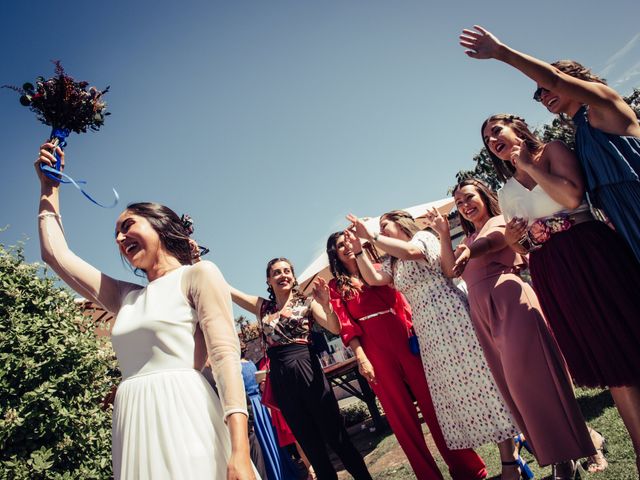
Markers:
point(82, 277)
point(211, 299)
point(430, 246)
point(348, 328)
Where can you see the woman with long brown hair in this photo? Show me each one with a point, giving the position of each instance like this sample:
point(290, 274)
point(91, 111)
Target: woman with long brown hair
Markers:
point(167, 420)
point(607, 129)
point(376, 323)
point(505, 312)
point(299, 385)
point(583, 272)
point(469, 407)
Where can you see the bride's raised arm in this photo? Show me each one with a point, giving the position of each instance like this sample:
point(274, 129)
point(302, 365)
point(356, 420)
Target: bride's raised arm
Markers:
point(82, 277)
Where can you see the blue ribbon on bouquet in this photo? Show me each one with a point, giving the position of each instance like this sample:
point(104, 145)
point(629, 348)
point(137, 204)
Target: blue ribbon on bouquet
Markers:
point(55, 174)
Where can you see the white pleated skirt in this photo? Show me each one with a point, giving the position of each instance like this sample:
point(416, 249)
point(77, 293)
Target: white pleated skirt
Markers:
point(169, 425)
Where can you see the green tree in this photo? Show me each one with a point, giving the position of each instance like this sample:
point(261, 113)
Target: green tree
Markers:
point(561, 128)
point(54, 372)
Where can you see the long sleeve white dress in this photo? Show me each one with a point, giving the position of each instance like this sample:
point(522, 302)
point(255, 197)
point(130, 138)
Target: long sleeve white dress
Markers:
point(168, 423)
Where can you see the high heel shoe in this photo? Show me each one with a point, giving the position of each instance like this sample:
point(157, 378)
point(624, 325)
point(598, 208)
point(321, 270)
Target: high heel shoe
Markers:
point(524, 472)
point(521, 441)
point(512, 464)
point(569, 470)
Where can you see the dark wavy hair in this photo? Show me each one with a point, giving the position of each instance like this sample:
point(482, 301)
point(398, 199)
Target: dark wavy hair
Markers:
point(296, 288)
point(577, 70)
point(343, 278)
point(505, 169)
point(171, 229)
point(488, 196)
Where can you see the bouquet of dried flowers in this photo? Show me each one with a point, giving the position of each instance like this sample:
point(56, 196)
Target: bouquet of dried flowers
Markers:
point(65, 105)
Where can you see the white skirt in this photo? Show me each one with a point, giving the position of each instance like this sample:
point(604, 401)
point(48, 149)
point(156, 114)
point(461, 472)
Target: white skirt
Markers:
point(169, 425)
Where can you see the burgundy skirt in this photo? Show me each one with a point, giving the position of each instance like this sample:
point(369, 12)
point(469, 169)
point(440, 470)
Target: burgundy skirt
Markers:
point(587, 280)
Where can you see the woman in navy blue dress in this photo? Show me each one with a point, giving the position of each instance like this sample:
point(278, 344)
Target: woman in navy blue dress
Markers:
point(607, 130)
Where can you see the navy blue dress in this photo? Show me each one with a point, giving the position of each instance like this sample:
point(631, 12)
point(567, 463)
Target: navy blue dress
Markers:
point(611, 165)
point(277, 462)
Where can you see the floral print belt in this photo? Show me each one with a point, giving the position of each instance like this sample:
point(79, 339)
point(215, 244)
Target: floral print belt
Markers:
point(542, 229)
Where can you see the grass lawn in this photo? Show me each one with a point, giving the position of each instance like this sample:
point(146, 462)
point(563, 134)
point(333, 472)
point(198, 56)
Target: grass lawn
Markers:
point(387, 461)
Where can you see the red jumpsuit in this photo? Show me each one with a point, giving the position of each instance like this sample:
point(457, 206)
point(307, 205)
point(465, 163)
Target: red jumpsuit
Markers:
point(400, 378)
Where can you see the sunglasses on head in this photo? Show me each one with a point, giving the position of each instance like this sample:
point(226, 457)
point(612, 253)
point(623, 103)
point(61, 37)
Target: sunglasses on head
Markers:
point(537, 95)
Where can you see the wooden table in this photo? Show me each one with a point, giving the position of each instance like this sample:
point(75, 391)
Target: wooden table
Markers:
point(341, 375)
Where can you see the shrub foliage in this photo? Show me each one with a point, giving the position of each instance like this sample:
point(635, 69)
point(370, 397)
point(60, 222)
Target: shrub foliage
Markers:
point(54, 372)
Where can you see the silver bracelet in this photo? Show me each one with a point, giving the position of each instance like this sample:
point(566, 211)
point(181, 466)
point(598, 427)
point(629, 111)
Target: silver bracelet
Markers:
point(49, 214)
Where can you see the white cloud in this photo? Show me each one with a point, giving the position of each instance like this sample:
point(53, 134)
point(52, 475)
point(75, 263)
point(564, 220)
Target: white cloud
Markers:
point(613, 60)
point(617, 69)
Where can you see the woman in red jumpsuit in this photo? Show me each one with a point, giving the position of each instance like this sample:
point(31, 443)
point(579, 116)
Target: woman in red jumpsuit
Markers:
point(375, 322)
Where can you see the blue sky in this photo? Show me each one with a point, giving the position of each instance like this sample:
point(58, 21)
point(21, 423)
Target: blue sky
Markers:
point(269, 121)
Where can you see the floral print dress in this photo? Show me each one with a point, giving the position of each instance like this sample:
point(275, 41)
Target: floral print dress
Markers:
point(469, 407)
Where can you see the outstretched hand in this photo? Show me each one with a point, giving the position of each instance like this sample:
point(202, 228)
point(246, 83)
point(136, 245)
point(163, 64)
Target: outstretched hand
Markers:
point(351, 241)
point(481, 43)
point(360, 228)
point(321, 292)
point(462, 254)
point(436, 221)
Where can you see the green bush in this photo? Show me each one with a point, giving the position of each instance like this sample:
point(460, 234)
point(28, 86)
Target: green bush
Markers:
point(355, 413)
point(54, 372)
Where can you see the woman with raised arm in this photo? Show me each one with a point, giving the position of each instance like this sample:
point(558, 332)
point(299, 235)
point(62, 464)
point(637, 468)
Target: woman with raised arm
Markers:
point(583, 272)
point(299, 385)
point(607, 129)
point(469, 407)
point(168, 422)
point(534, 381)
point(375, 323)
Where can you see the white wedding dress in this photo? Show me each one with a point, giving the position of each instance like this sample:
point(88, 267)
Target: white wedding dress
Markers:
point(168, 423)
point(167, 420)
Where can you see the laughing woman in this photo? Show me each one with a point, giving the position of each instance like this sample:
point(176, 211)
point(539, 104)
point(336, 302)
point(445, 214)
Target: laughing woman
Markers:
point(167, 421)
point(376, 324)
point(534, 381)
point(299, 385)
point(607, 129)
point(584, 274)
point(469, 407)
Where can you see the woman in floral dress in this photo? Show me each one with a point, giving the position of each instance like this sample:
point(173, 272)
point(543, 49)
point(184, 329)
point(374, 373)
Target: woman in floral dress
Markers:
point(470, 409)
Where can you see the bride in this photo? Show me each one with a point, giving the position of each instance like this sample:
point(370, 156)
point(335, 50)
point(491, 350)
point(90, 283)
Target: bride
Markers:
point(168, 423)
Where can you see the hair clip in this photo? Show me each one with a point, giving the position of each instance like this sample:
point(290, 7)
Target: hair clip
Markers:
point(187, 223)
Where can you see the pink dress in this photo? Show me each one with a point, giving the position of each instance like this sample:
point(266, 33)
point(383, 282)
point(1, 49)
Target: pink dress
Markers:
point(522, 353)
